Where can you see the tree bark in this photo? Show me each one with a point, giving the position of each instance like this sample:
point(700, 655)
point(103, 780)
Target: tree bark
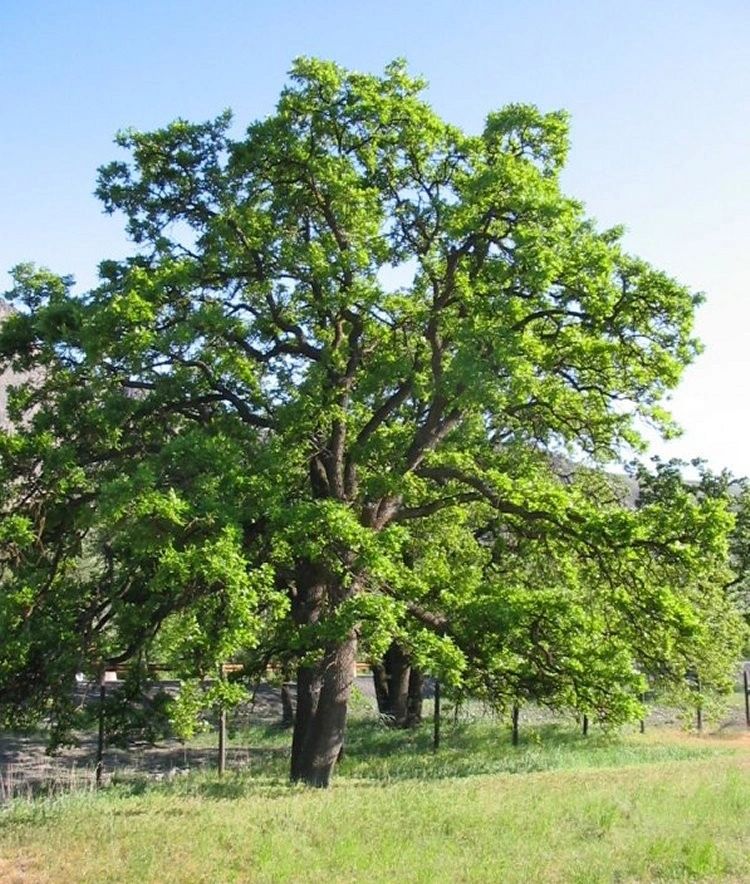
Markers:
point(414, 708)
point(323, 687)
point(380, 680)
point(322, 700)
point(287, 706)
point(398, 688)
point(398, 669)
point(308, 691)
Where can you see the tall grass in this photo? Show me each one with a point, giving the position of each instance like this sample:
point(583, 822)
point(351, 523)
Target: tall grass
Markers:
point(559, 808)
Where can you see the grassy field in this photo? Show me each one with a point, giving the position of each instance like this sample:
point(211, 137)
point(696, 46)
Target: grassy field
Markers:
point(558, 808)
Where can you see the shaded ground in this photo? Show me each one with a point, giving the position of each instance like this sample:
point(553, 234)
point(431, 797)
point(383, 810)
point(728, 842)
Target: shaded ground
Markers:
point(25, 767)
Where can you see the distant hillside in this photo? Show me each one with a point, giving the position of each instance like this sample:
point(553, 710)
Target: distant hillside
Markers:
point(8, 378)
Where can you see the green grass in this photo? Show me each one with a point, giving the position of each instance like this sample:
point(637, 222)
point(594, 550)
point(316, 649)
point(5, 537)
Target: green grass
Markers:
point(557, 808)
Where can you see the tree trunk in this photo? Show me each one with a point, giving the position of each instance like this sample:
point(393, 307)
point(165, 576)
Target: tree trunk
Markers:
point(323, 687)
point(322, 699)
point(398, 688)
point(287, 706)
point(414, 709)
point(380, 680)
point(398, 669)
point(308, 691)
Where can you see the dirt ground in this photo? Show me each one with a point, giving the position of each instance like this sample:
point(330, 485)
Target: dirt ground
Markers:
point(26, 768)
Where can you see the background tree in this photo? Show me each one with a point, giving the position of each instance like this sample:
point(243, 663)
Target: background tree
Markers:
point(720, 603)
point(574, 616)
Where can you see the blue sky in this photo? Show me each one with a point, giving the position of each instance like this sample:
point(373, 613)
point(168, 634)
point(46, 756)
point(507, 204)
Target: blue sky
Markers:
point(659, 94)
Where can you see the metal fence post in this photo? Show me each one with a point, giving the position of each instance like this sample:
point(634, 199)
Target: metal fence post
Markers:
point(436, 718)
point(222, 760)
point(100, 737)
point(699, 706)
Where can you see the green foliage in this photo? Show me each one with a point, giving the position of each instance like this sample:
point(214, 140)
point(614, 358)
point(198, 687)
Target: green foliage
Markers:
point(185, 710)
point(132, 715)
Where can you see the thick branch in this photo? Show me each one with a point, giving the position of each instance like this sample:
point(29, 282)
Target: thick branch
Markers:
point(384, 411)
point(485, 491)
point(247, 415)
point(434, 506)
point(431, 433)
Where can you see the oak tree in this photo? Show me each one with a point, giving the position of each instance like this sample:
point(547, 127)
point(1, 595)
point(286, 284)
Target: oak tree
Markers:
point(348, 322)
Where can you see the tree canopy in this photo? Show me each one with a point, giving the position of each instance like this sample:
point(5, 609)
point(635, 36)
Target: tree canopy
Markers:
point(323, 405)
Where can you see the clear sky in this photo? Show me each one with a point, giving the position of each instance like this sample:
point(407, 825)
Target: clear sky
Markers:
point(659, 94)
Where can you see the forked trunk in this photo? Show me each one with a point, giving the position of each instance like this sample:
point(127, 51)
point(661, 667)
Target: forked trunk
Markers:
point(398, 688)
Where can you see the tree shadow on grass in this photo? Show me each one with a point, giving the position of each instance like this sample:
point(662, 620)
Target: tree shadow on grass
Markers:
point(384, 754)
point(377, 755)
